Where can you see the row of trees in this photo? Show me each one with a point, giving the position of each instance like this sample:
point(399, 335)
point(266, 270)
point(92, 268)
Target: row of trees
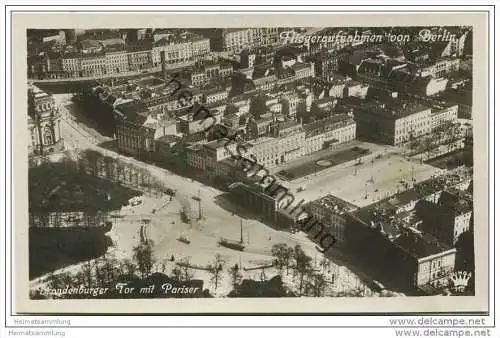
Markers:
point(107, 271)
point(448, 132)
point(311, 281)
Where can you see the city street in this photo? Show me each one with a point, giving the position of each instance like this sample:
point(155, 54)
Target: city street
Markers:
point(165, 226)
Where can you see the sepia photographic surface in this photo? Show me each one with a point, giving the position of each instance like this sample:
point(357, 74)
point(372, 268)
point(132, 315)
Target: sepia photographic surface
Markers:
point(251, 163)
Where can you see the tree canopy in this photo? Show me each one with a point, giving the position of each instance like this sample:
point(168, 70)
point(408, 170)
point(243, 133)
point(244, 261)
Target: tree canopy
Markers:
point(258, 106)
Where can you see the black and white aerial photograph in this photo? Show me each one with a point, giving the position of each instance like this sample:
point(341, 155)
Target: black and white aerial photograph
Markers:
point(273, 161)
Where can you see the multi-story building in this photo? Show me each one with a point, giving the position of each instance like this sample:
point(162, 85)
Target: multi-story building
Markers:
point(93, 64)
point(441, 114)
point(44, 123)
point(71, 64)
point(328, 133)
point(441, 67)
point(195, 156)
point(401, 252)
point(355, 89)
point(337, 87)
point(394, 124)
point(216, 94)
point(205, 73)
point(326, 65)
point(237, 39)
point(267, 82)
point(266, 36)
point(59, 37)
point(290, 103)
point(216, 151)
point(303, 70)
point(257, 127)
point(139, 56)
point(131, 131)
point(53, 62)
point(178, 46)
point(332, 212)
point(174, 52)
point(449, 217)
point(90, 46)
point(403, 81)
point(423, 260)
point(193, 123)
point(283, 144)
point(116, 60)
point(200, 46)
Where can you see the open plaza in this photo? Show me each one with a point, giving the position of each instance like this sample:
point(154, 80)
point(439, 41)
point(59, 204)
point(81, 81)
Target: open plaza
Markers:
point(360, 180)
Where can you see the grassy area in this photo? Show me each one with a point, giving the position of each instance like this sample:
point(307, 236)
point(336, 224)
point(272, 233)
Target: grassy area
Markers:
point(333, 159)
point(54, 248)
point(62, 187)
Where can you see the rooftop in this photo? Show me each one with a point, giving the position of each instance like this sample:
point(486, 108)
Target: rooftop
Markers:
point(86, 44)
point(150, 81)
point(232, 30)
point(114, 48)
point(144, 45)
point(404, 197)
point(326, 124)
point(384, 211)
point(393, 110)
point(132, 110)
point(217, 144)
point(168, 138)
point(457, 200)
point(380, 216)
point(300, 65)
point(176, 38)
point(339, 206)
point(420, 245)
point(112, 41)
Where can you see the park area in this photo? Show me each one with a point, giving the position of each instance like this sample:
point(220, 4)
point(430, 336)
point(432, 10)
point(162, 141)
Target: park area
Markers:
point(59, 188)
point(323, 163)
point(62, 187)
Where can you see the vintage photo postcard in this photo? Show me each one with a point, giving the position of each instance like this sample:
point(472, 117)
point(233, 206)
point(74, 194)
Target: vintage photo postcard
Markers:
point(250, 163)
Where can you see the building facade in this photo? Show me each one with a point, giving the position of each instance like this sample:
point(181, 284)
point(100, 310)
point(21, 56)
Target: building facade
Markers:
point(283, 144)
point(393, 125)
point(441, 67)
point(140, 59)
point(204, 74)
point(116, 62)
point(332, 212)
point(443, 114)
point(329, 132)
point(93, 64)
point(44, 123)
